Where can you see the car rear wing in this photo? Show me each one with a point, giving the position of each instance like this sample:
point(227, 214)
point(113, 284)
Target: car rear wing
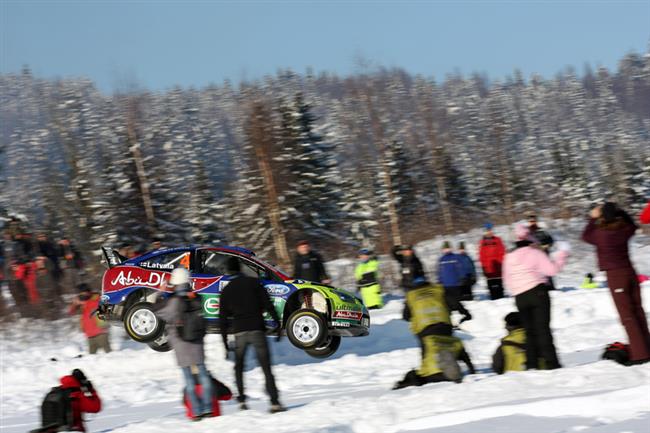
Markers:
point(112, 257)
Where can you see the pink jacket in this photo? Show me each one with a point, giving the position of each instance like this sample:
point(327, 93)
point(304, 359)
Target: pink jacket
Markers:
point(527, 267)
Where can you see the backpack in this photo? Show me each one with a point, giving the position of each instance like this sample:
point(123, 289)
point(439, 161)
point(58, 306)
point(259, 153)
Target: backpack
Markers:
point(56, 409)
point(617, 352)
point(191, 326)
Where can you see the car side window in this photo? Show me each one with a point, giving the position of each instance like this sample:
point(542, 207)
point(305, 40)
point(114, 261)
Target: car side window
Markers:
point(167, 261)
point(214, 263)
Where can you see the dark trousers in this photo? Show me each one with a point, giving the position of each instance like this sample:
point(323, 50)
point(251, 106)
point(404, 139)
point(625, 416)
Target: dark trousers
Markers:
point(534, 307)
point(495, 286)
point(452, 296)
point(626, 291)
point(466, 291)
point(257, 339)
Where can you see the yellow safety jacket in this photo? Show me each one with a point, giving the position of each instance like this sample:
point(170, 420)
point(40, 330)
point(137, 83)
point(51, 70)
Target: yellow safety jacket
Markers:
point(440, 354)
point(427, 306)
point(514, 351)
point(367, 276)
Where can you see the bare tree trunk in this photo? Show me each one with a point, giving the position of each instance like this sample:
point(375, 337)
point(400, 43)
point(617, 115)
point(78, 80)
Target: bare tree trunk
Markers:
point(134, 146)
point(506, 189)
point(378, 134)
point(260, 137)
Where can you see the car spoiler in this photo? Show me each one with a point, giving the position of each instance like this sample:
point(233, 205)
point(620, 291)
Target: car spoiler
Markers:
point(112, 257)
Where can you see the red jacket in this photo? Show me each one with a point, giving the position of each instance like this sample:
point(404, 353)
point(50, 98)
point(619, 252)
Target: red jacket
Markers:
point(611, 242)
point(491, 252)
point(26, 272)
point(645, 215)
point(91, 325)
point(87, 402)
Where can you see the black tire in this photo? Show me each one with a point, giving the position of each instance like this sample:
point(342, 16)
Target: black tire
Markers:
point(142, 324)
point(306, 329)
point(329, 347)
point(160, 344)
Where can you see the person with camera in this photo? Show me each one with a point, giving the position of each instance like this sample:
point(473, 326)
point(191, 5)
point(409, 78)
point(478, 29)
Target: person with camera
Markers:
point(185, 327)
point(96, 329)
point(64, 405)
point(410, 263)
point(609, 229)
point(241, 311)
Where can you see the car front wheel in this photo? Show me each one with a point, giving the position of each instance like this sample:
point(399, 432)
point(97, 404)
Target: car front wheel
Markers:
point(306, 329)
point(327, 348)
point(142, 324)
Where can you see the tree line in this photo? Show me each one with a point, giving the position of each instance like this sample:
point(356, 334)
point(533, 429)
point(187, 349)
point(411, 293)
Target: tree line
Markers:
point(373, 159)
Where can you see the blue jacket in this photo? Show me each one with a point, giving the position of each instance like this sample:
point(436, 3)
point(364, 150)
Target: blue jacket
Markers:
point(450, 270)
point(467, 266)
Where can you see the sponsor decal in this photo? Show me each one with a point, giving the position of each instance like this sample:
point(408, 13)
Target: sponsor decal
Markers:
point(277, 289)
point(104, 299)
point(131, 278)
point(348, 314)
point(149, 265)
point(211, 305)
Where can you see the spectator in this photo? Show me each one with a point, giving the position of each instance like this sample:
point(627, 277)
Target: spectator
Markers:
point(189, 351)
point(525, 272)
point(491, 254)
point(544, 240)
point(468, 273)
point(645, 215)
point(511, 354)
point(367, 276)
point(76, 397)
point(588, 282)
point(244, 301)
point(410, 264)
point(450, 273)
point(610, 229)
point(308, 265)
point(427, 312)
point(96, 329)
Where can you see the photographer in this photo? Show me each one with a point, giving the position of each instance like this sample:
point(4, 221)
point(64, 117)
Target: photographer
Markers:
point(610, 229)
point(64, 406)
point(96, 329)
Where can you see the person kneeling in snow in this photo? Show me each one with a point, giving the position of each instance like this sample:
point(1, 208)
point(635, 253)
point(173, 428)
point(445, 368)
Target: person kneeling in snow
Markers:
point(64, 406)
point(511, 354)
point(428, 314)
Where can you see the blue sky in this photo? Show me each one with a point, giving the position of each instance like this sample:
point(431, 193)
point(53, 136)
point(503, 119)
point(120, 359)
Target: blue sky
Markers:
point(193, 43)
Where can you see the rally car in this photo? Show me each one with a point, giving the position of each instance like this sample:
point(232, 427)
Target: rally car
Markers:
point(314, 316)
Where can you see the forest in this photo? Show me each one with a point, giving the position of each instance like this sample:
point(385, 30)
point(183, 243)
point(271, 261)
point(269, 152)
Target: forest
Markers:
point(377, 158)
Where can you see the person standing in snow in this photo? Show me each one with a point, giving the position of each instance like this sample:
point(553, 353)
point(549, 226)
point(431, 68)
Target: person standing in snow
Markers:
point(525, 273)
point(308, 265)
point(427, 312)
point(645, 215)
point(243, 303)
point(95, 329)
point(190, 354)
point(511, 354)
point(468, 273)
point(491, 253)
point(410, 264)
point(610, 229)
point(367, 276)
point(450, 273)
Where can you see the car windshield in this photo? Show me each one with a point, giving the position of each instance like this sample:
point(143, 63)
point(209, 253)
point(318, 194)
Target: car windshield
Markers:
point(273, 267)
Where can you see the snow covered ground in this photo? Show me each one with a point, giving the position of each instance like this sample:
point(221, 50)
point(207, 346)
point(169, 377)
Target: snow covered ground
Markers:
point(350, 392)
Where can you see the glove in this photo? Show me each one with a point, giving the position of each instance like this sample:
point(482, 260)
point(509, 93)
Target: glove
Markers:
point(83, 380)
point(465, 318)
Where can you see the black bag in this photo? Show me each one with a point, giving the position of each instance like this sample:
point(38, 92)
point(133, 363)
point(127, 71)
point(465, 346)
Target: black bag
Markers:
point(56, 409)
point(617, 352)
point(191, 327)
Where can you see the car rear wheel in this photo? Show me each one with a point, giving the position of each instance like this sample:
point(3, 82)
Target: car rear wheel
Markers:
point(327, 349)
point(306, 329)
point(142, 324)
point(160, 344)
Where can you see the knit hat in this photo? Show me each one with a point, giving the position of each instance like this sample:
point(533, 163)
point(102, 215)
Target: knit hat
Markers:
point(609, 211)
point(488, 225)
point(364, 252)
point(522, 232)
point(461, 245)
point(513, 320)
point(446, 245)
point(179, 276)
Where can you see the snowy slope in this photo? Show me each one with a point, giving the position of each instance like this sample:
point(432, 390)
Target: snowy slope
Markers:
point(350, 392)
